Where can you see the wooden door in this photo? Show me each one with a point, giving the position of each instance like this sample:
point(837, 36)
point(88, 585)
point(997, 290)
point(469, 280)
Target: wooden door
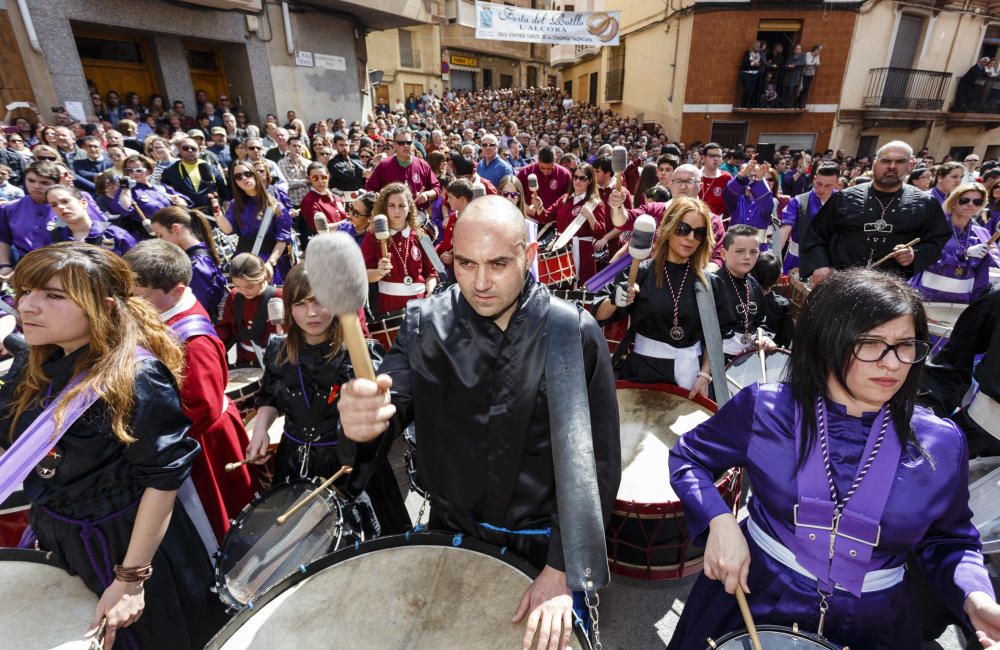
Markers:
point(413, 89)
point(382, 94)
point(207, 71)
point(112, 62)
point(14, 83)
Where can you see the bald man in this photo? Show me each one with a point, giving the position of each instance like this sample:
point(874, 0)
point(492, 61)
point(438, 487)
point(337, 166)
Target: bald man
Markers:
point(468, 368)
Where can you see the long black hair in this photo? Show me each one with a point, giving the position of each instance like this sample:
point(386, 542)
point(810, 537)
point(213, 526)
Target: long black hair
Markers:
point(842, 308)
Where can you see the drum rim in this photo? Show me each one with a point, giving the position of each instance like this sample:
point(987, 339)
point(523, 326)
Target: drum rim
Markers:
point(754, 353)
point(49, 558)
point(424, 538)
point(699, 399)
point(767, 627)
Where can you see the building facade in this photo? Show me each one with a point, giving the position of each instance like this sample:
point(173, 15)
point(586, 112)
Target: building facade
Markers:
point(266, 58)
point(903, 79)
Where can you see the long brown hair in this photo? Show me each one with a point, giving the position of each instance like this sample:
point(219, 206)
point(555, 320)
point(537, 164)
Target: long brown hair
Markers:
point(592, 197)
point(193, 220)
point(240, 198)
point(411, 211)
point(91, 277)
point(297, 289)
point(680, 206)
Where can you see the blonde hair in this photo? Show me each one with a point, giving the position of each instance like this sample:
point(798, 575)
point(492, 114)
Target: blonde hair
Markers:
point(676, 210)
point(91, 277)
point(952, 200)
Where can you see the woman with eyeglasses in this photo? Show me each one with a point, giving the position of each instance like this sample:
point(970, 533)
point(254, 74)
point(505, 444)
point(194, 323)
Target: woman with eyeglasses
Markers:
point(581, 201)
point(359, 213)
point(262, 222)
point(136, 204)
point(669, 338)
point(319, 200)
point(852, 481)
point(962, 273)
point(510, 188)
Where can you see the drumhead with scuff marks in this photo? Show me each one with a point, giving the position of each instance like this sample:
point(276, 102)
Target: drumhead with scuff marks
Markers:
point(651, 423)
point(774, 637)
point(242, 377)
point(745, 369)
point(941, 316)
point(42, 605)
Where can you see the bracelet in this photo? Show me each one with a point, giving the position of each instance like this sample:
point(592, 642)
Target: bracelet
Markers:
point(705, 375)
point(140, 573)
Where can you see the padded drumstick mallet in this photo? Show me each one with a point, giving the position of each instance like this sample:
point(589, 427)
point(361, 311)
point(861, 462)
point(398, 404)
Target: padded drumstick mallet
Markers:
point(312, 495)
point(747, 618)
point(889, 256)
point(322, 225)
point(381, 223)
point(619, 161)
point(761, 355)
point(641, 244)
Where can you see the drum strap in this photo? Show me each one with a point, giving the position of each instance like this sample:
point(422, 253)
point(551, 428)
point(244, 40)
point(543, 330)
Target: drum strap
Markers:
point(713, 340)
point(577, 497)
point(262, 231)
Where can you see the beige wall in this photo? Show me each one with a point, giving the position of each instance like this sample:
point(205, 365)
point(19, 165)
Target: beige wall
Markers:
point(383, 54)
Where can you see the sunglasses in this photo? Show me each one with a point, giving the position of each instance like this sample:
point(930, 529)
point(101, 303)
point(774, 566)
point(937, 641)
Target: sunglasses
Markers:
point(580, 178)
point(684, 229)
point(255, 148)
point(489, 145)
point(46, 159)
point(511, 195)
point(351, 210)
point(239, 176)
point(189, 148)
point(975, 202)
point(318, 178)
point(403, 143)
point(137, 170)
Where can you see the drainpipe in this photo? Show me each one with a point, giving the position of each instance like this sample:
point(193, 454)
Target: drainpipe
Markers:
point(287, 20)
point(29, 26)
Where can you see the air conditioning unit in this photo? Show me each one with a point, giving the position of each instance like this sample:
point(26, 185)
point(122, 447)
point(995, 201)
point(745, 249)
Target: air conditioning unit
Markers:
point(248, 6)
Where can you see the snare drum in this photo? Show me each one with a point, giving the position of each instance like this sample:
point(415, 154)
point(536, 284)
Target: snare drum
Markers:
point(385, 329)
point(243, 386)
point(555, 268)
point(419, 591)
point(773, 637)
point(257, 552)
point(13, 518)
point(941, 319)
point(647, 536)
point(745, 370)
point(41, 605)
point(984, 501)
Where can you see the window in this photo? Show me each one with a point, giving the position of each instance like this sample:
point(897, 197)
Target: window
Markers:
point(729, 134)
point(568, 87)
point(408, 56)
point(992, 152)
point(487, 78)
point(614, 84)
point(779, 37)
point(506, 81)
point(991, 42)
point(794, 141)
point(867, 146)
point(202, 60)
point(959, 153)
point(109, 50)
point(532, 76)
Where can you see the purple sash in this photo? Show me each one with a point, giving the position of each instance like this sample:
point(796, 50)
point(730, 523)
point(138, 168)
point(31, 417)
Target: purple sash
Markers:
point(193, 325)
point(838, 551)
point(39, 438)
point(601, 279)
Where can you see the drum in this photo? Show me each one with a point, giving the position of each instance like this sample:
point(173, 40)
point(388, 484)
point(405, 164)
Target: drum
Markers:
point(42, 606)
point(410, 458)
point(257, 552)
point(384, 330)
point(416, 591)
point(555, 268)
point(800, 291)
point(773, 637)
point(994, 275)
point(614, 332)
point(546, 235)
point(941, 318)
point(745, 370)
point(13, 519)
point(984, 501)
point(242, 389)
point(647, 536)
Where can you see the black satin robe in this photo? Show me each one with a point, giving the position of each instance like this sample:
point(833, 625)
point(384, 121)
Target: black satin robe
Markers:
point(477, 395)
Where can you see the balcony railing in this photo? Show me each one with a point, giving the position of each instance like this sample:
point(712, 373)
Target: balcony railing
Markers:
point(906, 89)
point(980, 99)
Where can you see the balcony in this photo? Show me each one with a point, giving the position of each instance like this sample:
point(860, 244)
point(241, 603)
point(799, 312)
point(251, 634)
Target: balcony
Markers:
point(903, 89)
point(584, 52)
point(981, 99)
point(562, 55)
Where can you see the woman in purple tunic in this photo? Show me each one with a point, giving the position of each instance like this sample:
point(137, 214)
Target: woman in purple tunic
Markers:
point(848, 403)
point(947, 176)
point(138, 204)
point(962, 273)
point(251, 207)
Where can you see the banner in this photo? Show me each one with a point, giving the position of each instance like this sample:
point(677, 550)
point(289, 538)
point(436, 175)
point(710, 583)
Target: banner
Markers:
point(504, 23)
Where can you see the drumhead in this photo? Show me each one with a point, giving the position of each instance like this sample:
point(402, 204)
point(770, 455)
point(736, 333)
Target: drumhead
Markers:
point(420, 590)
point(744, 370)
point(773, 637)
point(941, 316)
point(984, 501)
point(257, 552)
point(240, 378)
point(653, 417)
point(41, 604)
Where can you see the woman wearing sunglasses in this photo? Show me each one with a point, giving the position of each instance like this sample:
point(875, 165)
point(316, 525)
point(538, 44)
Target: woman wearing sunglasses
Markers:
point(137, 204)
point(852, 481)
point(581, 200)
point(962, 273)
point(669, 341)
point(320, 200)
point(359, 214)
point(510, 188)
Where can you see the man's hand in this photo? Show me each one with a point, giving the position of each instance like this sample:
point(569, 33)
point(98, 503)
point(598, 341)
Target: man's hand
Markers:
point(819, 275)
point(903, 255)
point(548, 604)
point(366, 408)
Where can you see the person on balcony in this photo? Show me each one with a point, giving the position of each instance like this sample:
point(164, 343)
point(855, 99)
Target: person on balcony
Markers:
point(971, 86)
point(750, 71)
point(809, 73)
point(793, 77)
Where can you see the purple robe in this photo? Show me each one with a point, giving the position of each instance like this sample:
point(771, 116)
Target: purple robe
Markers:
point(927, 515)
point(102, 234)
point(938, 194)
point(24, 224)
point(147, 199)
point(790, 217)
point(753, 210)
point(954, 277)
point(248, 224)
point(207, 282)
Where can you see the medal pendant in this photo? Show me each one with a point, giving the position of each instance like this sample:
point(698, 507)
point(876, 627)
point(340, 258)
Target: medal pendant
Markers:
point(746, 339)
point(677, 332)
point(407, 280)
point(959, 271)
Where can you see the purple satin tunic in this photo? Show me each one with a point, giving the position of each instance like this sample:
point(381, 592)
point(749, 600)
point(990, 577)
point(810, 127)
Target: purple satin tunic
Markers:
point(753, 210)
point(955, 277)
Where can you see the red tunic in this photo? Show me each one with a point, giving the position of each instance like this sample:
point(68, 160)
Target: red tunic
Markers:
point(329, 205)
point(712, 191)
point(605, 192)
point(563, 212)
point(229, 325)
point(407, 259)
point(216, 425)
point(551, 188)
point(449, 231)
point(417, 176)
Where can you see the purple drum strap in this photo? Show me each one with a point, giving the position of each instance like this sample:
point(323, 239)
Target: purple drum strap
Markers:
point(601, 279)
point(303, 443)
point(191, 326)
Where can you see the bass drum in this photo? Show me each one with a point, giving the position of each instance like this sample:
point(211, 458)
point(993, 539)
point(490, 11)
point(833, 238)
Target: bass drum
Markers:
point(41, 605)
point(416, 591)
point(773, 637)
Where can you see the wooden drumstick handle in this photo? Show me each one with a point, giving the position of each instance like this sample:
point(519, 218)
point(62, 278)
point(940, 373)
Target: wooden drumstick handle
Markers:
point(354, 339)
point(312, 495)
point(747, 619)
point(384, 243)
point(761, 355)
point(992, 241)
point(232, 467)
point(906, 245)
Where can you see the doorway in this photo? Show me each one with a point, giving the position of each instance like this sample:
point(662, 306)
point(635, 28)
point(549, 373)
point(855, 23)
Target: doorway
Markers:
point(207, 71)
point(729, 134)
point(592, 89)
point(487, 79)
point(112, 62)
point(382, 94)
point(417, 90)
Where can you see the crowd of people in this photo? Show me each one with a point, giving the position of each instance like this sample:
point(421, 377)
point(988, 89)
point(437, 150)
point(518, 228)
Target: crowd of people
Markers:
point(143, 250)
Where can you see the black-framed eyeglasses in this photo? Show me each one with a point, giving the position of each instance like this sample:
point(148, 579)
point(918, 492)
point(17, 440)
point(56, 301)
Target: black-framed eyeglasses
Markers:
point(403, 143)
point(907, 351)
point(684, 229)
point(966, 201)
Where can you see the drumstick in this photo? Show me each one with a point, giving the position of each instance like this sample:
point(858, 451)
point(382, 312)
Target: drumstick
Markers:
point(641, 244)
point(747, 619)
point(993, 239)
point(232, 467)
point(97, 641)
point(761, 355)
point(312, 495)
point(906, 245)
point(734, 383)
